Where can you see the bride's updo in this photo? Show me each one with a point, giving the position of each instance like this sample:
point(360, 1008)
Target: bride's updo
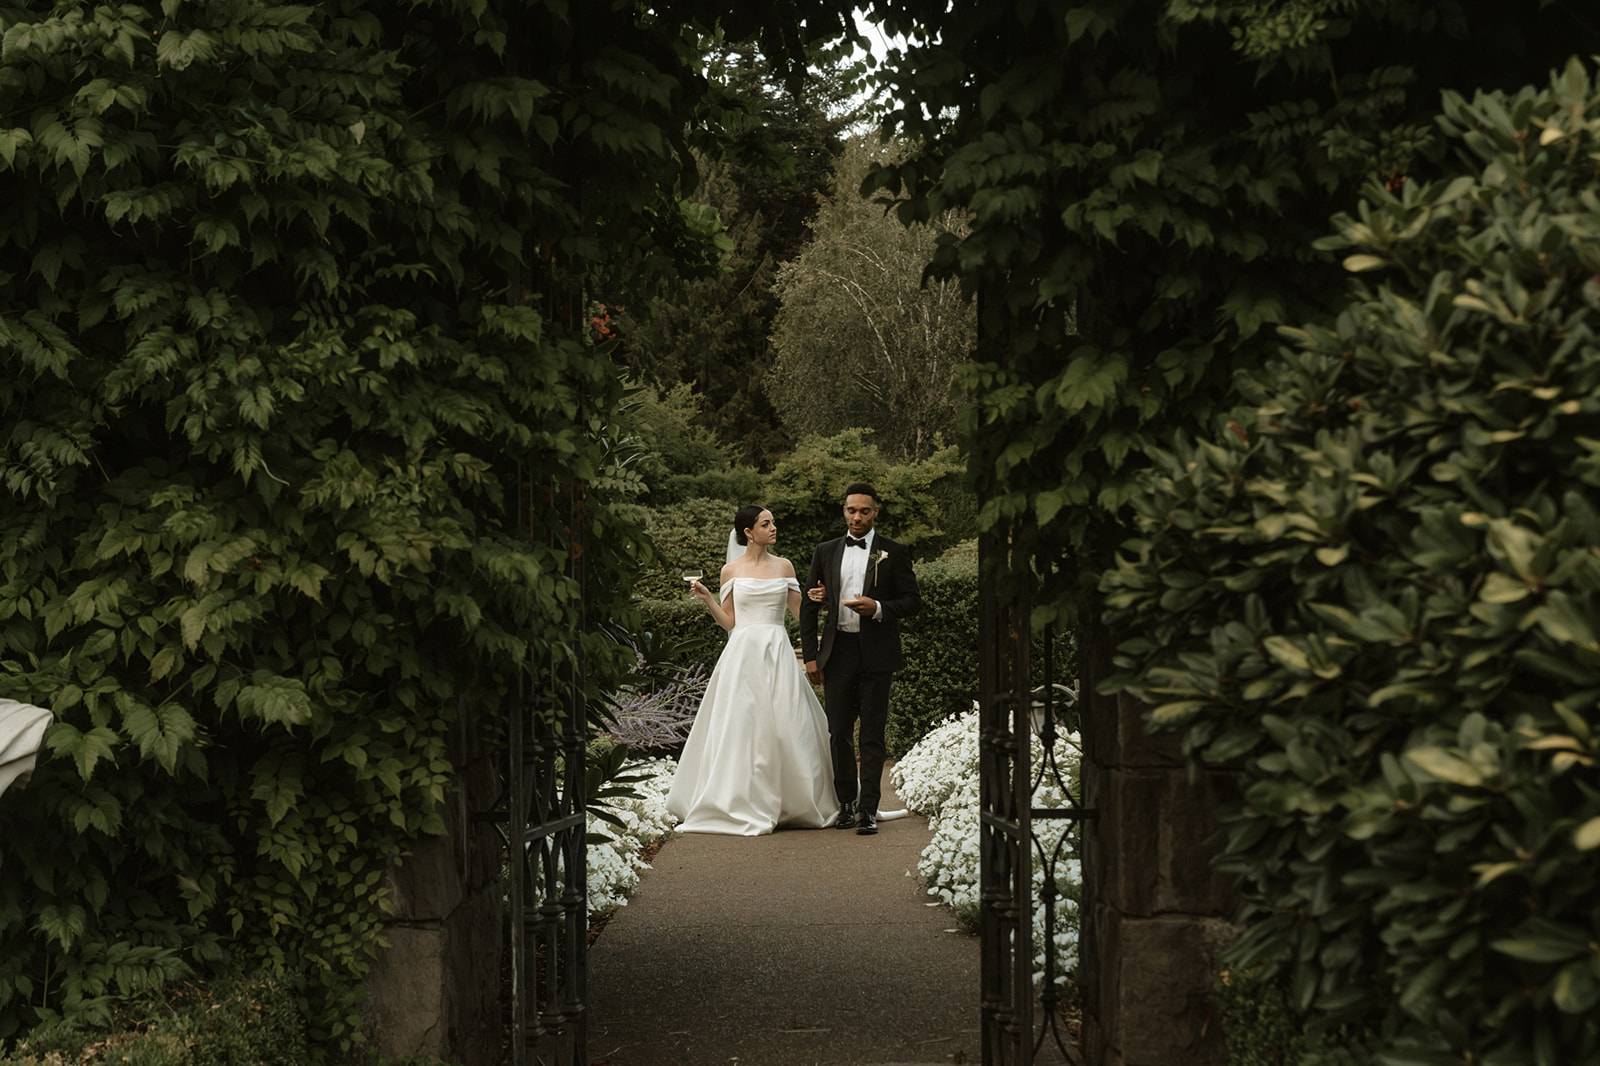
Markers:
point(746, 517)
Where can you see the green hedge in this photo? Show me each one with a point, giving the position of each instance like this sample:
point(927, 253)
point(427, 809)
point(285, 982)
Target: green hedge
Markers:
point(940, 675)
point(680, 632)
point(919, 509)
point(926, 507)
point(1378, 595)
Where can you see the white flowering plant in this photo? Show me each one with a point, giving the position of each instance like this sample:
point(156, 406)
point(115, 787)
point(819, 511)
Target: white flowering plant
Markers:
point(938, 778)
point(631, 823)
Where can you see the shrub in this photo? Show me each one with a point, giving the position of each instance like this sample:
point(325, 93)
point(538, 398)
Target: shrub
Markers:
point(657, 718)
point(687, 534)
point(940, 674)
point(238, 1022)
point(680, 458)
point(1262, 1028)
point(681, 633)
point(1378, 596)
point(804, 492)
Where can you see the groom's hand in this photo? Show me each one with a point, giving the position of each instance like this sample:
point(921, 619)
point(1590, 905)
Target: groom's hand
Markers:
point(865, 606)
point(813, 671)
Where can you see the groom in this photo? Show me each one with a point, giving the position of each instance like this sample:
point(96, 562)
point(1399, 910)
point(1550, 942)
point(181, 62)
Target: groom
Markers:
point(863, 584)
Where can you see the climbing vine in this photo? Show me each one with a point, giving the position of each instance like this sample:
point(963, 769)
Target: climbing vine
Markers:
point(292, 316)
point(1145, 181)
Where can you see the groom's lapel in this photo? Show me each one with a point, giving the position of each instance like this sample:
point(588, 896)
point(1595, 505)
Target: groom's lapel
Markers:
point(870, 582)
point(836, 583)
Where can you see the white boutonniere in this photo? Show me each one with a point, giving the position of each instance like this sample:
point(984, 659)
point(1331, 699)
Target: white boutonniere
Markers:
point(877, 560)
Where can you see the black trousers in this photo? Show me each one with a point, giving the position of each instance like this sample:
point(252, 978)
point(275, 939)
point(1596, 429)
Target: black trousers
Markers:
point(856, 694)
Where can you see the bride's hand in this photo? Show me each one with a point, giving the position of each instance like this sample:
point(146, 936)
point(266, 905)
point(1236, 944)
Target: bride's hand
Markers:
point(818, 594)
point(699, 591)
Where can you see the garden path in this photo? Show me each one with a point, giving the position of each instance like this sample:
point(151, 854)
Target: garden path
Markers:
point(803, 948)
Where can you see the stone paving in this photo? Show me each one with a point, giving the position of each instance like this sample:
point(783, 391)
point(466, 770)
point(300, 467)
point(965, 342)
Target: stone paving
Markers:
point(803, 948)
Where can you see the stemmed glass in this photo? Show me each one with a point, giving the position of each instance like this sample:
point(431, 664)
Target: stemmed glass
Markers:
point(691, 576)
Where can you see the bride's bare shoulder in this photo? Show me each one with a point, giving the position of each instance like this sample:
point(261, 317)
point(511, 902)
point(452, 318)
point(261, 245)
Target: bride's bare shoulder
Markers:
point(729, 570)
point(785, 568)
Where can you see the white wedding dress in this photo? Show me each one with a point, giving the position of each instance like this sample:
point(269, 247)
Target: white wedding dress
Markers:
point(757, 757)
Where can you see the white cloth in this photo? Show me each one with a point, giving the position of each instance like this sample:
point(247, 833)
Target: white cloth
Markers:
point(22, 728)
point(757, 756)
point(852, 579)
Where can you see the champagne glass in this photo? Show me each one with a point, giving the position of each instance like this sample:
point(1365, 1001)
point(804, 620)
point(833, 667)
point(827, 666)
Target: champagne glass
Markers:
point(691, 576)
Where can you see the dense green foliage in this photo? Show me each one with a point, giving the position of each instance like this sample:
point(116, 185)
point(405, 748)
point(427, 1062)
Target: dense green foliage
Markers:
point(1143, 181)
point(679, 456)
point(1262, 1028)
point(236, 1023)
point(1380, 599)
point(287, 289)
point(766, 145)
point(859, 339)
point(940, 675)
point(924, 507)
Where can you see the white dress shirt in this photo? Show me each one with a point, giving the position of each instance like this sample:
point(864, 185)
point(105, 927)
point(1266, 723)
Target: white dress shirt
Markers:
point(852, 578)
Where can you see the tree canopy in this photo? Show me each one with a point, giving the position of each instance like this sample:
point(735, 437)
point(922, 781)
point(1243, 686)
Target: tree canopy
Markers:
point(859, 339)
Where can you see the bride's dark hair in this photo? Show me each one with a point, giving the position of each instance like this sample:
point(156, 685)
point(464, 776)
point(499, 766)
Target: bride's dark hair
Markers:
point(744, 519)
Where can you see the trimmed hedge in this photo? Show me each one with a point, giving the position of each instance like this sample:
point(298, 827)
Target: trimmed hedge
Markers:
point(680, 632)
point(1378, 596)
point(940, 674)
point(926, 507)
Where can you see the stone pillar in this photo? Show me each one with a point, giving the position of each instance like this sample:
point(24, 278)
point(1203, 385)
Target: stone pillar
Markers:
point(436, 990)
point(1154, 913)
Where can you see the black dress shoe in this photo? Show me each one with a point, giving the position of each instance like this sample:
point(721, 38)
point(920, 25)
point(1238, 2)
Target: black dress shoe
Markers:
point(869, 824)
point(847, 816)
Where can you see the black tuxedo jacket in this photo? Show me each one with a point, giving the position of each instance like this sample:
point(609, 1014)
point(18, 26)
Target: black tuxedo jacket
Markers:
point(892, 582)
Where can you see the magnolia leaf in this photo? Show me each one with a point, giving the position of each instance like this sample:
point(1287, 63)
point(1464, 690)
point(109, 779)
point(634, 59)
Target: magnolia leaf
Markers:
point(1168, 713)
point(1501, 587)
point(1488, 872)
point(1562, 619)
point(1359, 263)
point(1288, 653)
point(1445, 766)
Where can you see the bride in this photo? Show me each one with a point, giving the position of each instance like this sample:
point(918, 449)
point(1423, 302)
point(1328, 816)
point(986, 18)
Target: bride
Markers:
point(757, 757)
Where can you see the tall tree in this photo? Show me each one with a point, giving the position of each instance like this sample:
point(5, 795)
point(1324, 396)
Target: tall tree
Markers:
point(766, 145)
point(859, 340)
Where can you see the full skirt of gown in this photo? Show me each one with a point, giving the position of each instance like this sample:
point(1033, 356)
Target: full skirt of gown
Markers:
point(757, 756)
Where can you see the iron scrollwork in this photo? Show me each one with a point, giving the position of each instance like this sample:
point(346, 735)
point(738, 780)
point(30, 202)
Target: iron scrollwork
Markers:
point(1022, 730)
point(541, 816)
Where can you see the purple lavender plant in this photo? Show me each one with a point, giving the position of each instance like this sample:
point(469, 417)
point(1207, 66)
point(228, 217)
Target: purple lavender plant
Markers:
point(658, 719)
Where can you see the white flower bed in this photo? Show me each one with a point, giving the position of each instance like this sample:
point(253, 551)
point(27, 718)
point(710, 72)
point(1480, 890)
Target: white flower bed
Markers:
point(939, 778)
point(615, 864)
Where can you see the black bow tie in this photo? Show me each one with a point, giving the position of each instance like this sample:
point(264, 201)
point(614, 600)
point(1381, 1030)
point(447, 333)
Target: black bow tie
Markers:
point(851, 542)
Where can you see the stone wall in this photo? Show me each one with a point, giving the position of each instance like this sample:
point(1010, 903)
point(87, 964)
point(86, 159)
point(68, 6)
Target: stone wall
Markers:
point(436, 990)
point(1154, 914)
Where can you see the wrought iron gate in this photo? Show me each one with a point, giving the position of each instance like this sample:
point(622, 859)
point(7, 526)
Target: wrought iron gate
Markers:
point(1023, 1020)
point(541, 814)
